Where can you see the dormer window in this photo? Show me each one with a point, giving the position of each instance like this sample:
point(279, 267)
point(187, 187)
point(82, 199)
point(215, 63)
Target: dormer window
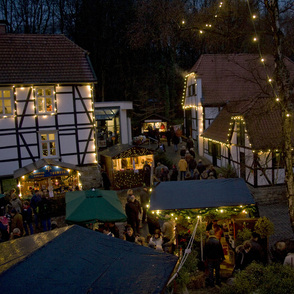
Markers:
point(6, 102)
point(45, 100)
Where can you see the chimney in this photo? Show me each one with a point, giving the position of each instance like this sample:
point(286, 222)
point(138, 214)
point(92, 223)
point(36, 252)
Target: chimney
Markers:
point(3, 24)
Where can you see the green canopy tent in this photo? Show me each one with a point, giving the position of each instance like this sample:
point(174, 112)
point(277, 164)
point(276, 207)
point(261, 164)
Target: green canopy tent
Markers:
point(93, 205)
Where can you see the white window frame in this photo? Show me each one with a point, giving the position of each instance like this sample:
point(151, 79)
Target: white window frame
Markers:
point(3, 113)
point(44, 97)
point(48, 141)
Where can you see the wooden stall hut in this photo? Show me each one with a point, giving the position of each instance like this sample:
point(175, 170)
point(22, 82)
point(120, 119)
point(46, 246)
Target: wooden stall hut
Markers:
point(124, 163)
point(47, 174)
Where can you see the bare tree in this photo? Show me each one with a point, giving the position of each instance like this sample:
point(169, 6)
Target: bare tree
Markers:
point(284, 91)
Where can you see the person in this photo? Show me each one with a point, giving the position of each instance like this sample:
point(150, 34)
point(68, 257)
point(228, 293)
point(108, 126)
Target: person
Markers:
point(105, 180)
point(189, 143)
point(188, 156)
point(212, 170)
point(113, 229)
point(144, 199)
point(16, 202)
point(156, 241)
point(192, 152)
point(174, 173)
point(182, 168)
point(192, 166)
point(107, 232)
point(289, 260)
point(256, 252)
point(210, 176)
point(168, 231)
point(157, 172)
point(200, 166)
point(183, 151)
point(168, 136)
point(175, 141)
point(242, 259)
point(164, 173)
point(44, 208)
point(146, 174)
point(16, 233)
point(4, 228)
point(129, 234)
point(27, 215)
point(36, 198)
point(16, 221)
point(218, 232)
point(132, 212)
point(214, 255)
point(188, 176)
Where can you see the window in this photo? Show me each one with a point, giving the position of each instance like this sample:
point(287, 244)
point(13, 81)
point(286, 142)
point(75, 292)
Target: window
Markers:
point(214, 149)
point(240, 133)
point(48, 143)
point(191, 90)
point(278, 161)
point(6, 102)
point(45, 100)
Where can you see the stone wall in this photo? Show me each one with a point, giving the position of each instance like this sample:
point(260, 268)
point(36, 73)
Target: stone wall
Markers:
point(90, 177)
point(269, 195)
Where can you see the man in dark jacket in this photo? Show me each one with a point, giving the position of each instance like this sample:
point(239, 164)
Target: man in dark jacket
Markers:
point(144, 199)
point(132, 211)
point(214, 255)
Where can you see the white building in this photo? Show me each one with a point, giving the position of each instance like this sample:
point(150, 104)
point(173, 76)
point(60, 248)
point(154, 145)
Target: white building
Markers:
point(231, 111)
point(46, 103)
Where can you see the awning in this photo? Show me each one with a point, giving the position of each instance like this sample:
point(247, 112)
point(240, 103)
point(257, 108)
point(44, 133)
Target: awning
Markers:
point(79, 260)
point(105, 113)
point(42, 163)
point(200, 194)
point(93, 205)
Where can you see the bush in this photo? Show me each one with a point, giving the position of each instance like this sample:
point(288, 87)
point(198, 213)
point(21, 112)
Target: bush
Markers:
point(161, 157)
point(260, 279)
point(228, 171)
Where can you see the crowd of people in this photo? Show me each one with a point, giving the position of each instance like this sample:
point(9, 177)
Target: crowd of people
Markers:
point(20, 218)
point(250, 251)
point(187, 167)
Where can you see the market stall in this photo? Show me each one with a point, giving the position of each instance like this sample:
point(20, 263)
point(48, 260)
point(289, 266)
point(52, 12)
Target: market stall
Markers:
point(55, 177)
point(124, 163)
point(197, 198)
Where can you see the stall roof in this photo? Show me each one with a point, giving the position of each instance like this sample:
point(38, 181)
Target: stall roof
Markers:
point(80, 260)
point(155, 117)
point(106, 113)
point(200, 194)
point(91, 205)
point(125, 151)
point(41, 163)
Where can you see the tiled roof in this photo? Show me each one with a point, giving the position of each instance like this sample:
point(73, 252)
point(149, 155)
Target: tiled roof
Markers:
point(263, 123)
point(32, 59)
point(232, 77)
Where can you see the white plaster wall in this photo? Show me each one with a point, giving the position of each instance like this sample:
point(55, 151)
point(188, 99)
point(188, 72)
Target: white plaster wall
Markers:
point(7, 168)
point(64, 102)
point(47, 120)
point(66, 119)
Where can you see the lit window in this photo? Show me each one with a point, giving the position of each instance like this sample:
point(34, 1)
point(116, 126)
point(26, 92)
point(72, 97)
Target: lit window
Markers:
point(45, 100)
point(6, 102)
point(49, 144)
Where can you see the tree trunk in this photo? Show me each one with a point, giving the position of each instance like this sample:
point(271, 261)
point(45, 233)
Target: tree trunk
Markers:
point(282, 79)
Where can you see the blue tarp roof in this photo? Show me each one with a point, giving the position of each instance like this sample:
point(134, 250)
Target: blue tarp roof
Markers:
point(80, 260)
point(200, 194)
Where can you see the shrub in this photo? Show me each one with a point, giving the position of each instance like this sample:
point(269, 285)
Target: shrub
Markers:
point(161, 157)
point(256, 278)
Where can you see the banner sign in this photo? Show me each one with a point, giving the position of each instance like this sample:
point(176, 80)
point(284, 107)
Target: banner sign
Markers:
point(48, 171)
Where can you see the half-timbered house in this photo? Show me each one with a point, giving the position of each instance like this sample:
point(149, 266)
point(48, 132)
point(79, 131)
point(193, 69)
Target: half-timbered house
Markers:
point(46, 103)
point(232, 113)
